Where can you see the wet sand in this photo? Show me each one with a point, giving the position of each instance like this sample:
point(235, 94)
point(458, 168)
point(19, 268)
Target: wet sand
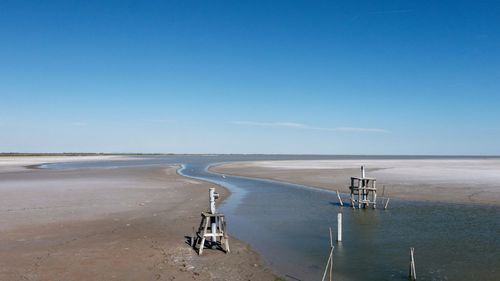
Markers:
point(441, 180)
point(110, 224)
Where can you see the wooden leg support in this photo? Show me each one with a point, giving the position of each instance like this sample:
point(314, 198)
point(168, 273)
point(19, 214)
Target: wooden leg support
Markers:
point(225, 237)
point(202, 244)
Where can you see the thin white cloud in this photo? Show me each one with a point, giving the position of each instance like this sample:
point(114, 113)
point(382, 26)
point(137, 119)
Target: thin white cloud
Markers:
point(293, 125)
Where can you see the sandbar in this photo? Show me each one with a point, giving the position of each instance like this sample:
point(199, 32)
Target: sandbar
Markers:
point(456, 180)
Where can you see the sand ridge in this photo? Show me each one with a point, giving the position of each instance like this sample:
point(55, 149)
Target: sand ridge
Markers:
point(447, 180)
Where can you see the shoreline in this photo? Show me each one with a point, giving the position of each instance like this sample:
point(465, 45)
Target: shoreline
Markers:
point(428, 180)
point(125, 224)
point(22, 163)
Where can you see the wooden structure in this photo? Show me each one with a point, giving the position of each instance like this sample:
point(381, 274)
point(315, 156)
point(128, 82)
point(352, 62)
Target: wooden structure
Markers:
point(363, 191)
point(212, 226)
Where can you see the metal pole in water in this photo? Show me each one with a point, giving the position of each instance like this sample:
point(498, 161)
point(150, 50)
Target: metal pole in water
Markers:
point(339, 227)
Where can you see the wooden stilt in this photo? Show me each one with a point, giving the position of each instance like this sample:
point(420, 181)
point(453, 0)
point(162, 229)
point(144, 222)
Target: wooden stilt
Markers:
point(413, 273)
point(192, 241)
point(205, 227)
point(340, 199)
point(329, 263)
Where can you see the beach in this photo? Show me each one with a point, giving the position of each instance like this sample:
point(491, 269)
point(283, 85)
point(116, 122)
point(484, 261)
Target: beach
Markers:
point(455, 180)
point(127, 223)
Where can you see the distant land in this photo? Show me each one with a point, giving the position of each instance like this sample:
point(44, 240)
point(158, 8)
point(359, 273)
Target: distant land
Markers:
point(31, 154)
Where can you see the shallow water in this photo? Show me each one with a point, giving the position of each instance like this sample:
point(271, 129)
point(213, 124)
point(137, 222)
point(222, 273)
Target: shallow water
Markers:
point(288, 224)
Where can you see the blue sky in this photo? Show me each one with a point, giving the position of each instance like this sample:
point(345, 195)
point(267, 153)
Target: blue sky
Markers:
point(333, 77)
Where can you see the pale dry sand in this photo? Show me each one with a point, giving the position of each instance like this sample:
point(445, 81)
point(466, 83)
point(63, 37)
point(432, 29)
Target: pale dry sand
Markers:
point(447, 180)
point(111, 224)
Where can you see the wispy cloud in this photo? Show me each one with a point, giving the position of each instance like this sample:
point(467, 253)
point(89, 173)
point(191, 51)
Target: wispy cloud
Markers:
point(293, 125)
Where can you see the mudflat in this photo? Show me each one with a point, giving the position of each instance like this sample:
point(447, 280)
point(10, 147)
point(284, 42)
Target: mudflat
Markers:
point(110, 224)
point(461, 180)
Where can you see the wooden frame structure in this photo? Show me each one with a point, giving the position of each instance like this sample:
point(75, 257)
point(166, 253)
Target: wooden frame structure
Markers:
point(212, 226)
point(363, 192)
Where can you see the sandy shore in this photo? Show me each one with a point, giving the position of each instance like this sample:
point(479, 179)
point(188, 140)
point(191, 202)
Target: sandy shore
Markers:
point(447, 180)
point(113, 224)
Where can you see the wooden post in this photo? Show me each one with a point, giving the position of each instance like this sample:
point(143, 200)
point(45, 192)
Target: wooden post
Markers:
point(329, 263)
point(413, 273)
point(207, 221)
point(331, 249)
point(193, 238)
point(225, 236)
point(340, 199)
point(352, 193)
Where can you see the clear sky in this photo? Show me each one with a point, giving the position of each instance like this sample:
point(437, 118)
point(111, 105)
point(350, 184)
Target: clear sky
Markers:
point(333, 77)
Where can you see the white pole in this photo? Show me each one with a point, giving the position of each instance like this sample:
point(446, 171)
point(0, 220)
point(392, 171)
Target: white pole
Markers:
point(213, 211)
point(363, 175)
point(212, 200)
point(339, 227)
